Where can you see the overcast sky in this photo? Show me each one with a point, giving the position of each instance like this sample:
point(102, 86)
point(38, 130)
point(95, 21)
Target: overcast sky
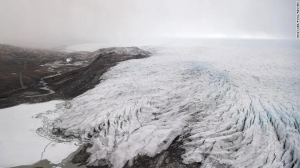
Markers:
point(64, 22)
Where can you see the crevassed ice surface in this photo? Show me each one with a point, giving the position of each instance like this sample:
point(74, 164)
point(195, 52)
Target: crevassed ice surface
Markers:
point(237, 102)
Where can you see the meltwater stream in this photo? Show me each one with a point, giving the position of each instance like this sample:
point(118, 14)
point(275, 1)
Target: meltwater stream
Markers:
point(235, 105)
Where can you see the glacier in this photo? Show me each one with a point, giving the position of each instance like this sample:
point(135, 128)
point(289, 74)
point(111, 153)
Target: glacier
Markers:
point(233, 103)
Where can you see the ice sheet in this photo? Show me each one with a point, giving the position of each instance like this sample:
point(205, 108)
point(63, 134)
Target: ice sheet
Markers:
point(238, 103)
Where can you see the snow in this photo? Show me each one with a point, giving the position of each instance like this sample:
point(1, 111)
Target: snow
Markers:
point(68, 60)
point(237, 101)
point(19, 142)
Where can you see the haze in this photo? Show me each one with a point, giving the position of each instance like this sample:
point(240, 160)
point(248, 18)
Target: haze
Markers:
point(49, 23)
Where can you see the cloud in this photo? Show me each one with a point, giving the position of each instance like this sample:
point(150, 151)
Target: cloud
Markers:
point(58, 22)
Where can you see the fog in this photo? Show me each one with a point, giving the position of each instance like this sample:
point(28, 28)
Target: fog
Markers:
point(50, 23)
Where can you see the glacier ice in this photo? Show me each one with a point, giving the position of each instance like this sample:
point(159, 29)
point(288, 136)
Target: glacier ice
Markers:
point(236, 105)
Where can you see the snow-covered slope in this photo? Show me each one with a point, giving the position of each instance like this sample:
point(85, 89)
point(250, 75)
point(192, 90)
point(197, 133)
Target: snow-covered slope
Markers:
point(236, 105)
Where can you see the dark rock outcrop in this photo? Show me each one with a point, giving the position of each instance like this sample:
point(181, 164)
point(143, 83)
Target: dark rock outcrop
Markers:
point(74, 83)
point(24, 73)
point(169, 158)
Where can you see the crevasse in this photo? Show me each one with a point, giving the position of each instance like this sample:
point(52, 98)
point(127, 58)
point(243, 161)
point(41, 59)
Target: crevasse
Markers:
point(235, 106)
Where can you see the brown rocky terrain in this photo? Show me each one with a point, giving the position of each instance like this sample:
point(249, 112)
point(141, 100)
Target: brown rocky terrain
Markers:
point(21, 71)
point(34, 75)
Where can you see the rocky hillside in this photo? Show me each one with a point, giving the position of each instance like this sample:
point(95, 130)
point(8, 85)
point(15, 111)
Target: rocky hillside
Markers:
point(27, 75)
